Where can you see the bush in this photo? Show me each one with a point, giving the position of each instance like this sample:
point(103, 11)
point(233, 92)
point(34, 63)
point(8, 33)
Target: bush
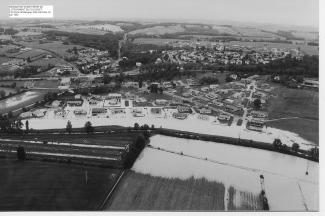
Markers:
point(21, 154)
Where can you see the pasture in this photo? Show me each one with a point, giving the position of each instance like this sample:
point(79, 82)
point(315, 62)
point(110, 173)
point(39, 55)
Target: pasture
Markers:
point(300, 103)
point(143, 192)
point(44, 186)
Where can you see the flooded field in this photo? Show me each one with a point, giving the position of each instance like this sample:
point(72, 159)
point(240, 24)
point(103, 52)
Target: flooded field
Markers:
point(286, 184)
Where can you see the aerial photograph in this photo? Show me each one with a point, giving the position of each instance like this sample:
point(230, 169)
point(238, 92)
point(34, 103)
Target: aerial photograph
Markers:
point(151, 105)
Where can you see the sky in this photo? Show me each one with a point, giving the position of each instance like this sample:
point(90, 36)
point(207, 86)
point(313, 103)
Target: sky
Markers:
point(286, 12)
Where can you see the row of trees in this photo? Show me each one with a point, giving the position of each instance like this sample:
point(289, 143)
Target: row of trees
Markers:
point(9, 125)
point(278, 145)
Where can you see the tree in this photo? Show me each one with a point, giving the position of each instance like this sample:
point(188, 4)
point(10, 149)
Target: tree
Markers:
point(18, 124)
point(257, 103)
point(228, 79)
point(10, 114)
point(277, 143)
point(107, 79)
point(2, 93)
point(314, 152)
point(295, 147)
point(27, 126)
point(88, 127)
point(69, 127)
point(136, 126)
point(140, 83)
point(21, 154)
point(75, 50)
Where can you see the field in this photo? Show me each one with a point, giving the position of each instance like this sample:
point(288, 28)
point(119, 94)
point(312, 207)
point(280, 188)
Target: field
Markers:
point(104, 27)
point(310, 50)
point(243, 201)
point(176, 158)
point(43, 186)
point(56, 47)
point(19, 101)
point(299, 103)
point(157, 41)
point(143, 192)
point(159, 30)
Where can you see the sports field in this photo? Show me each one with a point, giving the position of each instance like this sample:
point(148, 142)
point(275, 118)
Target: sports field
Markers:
point(40, 186)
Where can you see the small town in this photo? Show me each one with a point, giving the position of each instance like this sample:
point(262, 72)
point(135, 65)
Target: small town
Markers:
point(146, 115)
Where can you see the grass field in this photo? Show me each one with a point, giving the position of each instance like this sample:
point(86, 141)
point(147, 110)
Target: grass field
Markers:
point(143, 192)
point(41, 186)
point(296, 103)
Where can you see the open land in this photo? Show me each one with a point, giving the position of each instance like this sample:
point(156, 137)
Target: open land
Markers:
point(237, 167)
point(296, 110)
point(40, 186)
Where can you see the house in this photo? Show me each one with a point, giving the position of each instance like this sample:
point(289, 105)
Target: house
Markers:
point(98, 110)
point(232, 108)
point(80, 112)
point(118, 111)
point(255, 124)
point(156, 110)
point(259, 114)
point(181, 116)
point(224, 117)
point(311, 83)
point(233, 76)
point(184, 109)
point(161, 102)
point(74, 102)
point(205, 111)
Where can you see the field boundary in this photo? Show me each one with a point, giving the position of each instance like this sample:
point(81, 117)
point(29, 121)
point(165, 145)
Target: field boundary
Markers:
point(106, 200)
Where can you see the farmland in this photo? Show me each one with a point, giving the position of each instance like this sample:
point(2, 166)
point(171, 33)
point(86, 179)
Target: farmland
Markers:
point(298, 103)
point(39, 186)
point(310, 50)
point(159, 30)
point(57, 47)
point(143, 192)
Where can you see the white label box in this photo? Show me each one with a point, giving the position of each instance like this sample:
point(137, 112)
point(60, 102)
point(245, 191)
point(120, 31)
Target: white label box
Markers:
point(30, 11)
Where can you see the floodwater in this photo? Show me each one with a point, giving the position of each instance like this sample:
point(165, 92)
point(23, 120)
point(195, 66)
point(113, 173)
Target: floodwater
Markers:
point(286, 184)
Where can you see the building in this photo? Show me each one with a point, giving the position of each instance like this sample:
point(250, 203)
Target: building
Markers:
point(181, 116)
point(205, 111)
point(184, 109)
point(311, 83)
point(80, 112)
point(161, 102)
point(224, 117)
point(255, 124)
point(156, 110)
point(74, 102)
point(259, 114)
point(98, 110)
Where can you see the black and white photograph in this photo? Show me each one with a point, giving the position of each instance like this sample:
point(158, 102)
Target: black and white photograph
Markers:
point(160, 106)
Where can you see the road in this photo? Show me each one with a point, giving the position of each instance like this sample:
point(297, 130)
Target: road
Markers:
point(245, 118)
